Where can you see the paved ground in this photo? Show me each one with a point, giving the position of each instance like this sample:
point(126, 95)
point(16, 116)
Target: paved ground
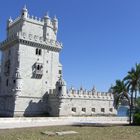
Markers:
point(7, 123)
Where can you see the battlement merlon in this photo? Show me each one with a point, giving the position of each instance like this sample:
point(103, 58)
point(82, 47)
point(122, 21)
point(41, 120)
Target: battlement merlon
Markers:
point(89, 94)
point(45, 27)
point(61, 92)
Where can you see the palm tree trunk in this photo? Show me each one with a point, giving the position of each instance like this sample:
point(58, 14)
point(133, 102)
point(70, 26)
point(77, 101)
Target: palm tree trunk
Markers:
point(135, 104)
point(135, 97)
point(131, 108)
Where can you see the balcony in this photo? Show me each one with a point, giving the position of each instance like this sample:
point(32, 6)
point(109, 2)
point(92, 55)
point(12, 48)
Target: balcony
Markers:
point(38, 70)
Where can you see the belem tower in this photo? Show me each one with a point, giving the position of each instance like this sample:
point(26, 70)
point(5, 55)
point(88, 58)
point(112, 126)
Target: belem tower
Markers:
point(31, 82)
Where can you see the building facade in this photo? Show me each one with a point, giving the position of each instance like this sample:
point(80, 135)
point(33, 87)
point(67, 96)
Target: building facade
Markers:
point(31, 82)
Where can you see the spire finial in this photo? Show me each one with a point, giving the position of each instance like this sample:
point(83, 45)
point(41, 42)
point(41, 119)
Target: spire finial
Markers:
point(55, 18)
point(94, 88)
point(25, 8)
point(47, 15)
point(10, 19)
point(81, 88)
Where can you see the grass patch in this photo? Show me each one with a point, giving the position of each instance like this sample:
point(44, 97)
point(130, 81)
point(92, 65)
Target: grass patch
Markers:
point(84, 133)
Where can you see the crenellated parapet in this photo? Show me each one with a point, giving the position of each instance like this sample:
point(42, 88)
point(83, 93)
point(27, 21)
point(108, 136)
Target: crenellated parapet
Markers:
point(36, 20)
point(47, 24)
point(88, 94)
point(81, 93)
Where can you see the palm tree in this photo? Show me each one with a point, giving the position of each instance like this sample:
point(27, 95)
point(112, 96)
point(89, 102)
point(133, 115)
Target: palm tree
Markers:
point(133, 79)
point(133, 85)
point(120, 93)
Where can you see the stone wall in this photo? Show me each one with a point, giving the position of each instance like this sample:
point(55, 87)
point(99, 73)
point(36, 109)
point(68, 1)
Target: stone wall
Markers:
point(7, 123)
point(80, 103)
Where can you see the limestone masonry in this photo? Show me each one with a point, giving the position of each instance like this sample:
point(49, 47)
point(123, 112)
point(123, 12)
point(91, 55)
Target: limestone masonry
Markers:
point(31, 82)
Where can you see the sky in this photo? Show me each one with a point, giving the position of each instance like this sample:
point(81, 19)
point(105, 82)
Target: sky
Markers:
point(101, 38)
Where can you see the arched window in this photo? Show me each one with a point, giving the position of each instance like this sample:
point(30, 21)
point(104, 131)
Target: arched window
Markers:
point(38, 51)
point(38, 67)
point(60, 88)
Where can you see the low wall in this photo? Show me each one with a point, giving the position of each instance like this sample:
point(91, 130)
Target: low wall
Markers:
point(6, 123)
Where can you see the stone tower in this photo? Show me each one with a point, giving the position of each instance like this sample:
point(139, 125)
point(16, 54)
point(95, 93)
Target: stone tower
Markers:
point(30, 66)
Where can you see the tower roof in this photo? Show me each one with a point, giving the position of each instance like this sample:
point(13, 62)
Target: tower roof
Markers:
point(55, 18)
point(47, 15)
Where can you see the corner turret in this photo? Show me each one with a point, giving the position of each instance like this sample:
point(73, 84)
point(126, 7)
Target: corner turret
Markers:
point(61, 87)
point(18, 85)
point(47, 19)
point(55, 24)
point(24, 12)
point(9, 21)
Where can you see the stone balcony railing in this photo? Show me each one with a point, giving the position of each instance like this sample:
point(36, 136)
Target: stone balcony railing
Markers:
point(38, 72)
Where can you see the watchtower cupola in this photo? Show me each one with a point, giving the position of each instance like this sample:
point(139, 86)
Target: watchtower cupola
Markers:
point(24, 12)
point(47, 19)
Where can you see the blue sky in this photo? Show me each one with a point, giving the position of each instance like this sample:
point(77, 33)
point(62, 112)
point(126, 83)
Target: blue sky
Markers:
point(101, 38)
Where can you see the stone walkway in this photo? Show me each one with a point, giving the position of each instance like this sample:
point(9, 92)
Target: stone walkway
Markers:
point(20, 122)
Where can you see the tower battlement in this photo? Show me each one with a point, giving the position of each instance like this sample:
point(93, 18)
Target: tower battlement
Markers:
point(89, 94)
point(45, 27)
point(33, 19)
point(83, 94)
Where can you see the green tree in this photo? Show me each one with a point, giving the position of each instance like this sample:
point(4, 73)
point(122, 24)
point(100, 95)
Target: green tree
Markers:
point(132, 81)
point(138, 105)
point(120, 93)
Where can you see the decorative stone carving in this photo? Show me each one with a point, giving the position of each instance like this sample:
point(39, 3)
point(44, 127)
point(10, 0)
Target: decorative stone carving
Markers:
point(24, 35)
point(30, 36)
point(35, 37)
point(41, 39)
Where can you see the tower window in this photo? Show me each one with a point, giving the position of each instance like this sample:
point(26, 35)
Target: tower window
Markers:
point(14, 81)
point(60, 88)
point(38, 51)
point(83, 109)
point(111, 109)
point(38, 67)
point(60, 71)
point(93, 109)
point(73, 109)
point(38, 70)
point(102, 109)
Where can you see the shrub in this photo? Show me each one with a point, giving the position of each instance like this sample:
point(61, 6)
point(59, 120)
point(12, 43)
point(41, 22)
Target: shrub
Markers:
point(136, 119)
